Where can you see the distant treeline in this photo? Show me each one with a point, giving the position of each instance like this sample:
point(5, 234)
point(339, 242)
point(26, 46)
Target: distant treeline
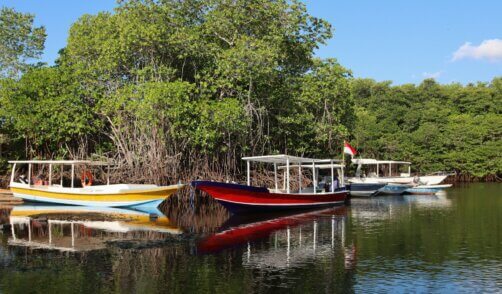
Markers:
point(175, 89)
point(451, 127)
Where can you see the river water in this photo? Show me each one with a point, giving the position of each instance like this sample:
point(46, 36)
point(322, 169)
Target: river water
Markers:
point(444, 243)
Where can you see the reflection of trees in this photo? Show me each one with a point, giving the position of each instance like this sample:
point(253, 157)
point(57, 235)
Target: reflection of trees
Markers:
point(203, 215)
point(4, 215)
point(149, 261)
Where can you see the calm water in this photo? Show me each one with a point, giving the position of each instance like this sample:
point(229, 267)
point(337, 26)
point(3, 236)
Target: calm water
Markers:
point(446, 243)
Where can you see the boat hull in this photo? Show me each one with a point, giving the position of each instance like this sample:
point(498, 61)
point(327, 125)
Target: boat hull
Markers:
point(241, 198)
point(134, 198)
point(365, 189)
point(427, 190)
point(394, 189)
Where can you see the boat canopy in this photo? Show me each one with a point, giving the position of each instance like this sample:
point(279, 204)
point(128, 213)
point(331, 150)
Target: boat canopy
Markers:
point(62, 162)
point(374, 161)
point(317, 166)
point(283, 158)
point(287, 162)
point(370, 161)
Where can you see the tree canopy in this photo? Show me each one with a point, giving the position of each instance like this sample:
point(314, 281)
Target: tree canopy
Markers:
point(176, 88)
point(20, 41)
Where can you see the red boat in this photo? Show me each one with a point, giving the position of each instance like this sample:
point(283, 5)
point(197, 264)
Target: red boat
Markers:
point(239, 198)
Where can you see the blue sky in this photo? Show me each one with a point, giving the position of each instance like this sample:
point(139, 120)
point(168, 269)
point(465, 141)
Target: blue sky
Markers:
point(398, 40)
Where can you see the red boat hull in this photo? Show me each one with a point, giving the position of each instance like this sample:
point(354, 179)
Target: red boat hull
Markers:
point(238, 198)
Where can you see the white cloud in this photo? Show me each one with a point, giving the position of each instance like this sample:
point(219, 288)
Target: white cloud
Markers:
point(488, 49)
point(432, 75)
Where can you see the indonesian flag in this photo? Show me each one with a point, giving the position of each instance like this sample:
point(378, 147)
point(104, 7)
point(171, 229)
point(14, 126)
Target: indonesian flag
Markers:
point(349, 149)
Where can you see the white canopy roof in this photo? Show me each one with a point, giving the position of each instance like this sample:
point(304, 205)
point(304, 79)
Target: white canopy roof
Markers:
point(63, 162)
point(319, 166)
point(374, 161)
point(283, 159)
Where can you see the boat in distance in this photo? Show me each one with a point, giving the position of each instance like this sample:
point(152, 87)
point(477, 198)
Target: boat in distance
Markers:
point(238, 198)
point(427, 189)
point(106, 195)
point(391, 171)
point(365, 189)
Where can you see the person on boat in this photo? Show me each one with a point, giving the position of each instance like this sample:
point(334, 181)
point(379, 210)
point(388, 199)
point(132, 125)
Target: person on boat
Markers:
point(39, 180)
point(22, 179)
point(336, 185)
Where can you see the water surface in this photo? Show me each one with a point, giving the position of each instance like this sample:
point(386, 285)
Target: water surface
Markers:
point(444, 243)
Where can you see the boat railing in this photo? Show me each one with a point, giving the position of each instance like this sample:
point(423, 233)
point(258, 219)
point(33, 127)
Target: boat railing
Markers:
point(29, 181)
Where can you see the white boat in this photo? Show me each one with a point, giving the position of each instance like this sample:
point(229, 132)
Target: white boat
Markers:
point(427, 189)
point(394, 188)
point(39, 189)
point(390, 171)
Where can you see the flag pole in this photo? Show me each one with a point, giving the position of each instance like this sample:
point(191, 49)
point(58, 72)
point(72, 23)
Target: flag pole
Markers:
point(343, 153)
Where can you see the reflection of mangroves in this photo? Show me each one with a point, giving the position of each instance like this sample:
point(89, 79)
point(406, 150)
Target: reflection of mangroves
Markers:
point(4, 214)
point(202, 215)
point(383, 229)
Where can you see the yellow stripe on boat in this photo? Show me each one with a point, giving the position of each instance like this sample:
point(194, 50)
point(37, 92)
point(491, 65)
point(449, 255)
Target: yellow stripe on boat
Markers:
point(138, 195)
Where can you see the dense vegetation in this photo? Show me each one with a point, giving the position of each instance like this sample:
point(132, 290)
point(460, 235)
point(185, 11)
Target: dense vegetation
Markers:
point(170, 89)
point(438, 127)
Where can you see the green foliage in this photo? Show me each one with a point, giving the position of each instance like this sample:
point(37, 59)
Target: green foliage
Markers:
point(20, 41)
point(322, 114)
point(201, 83)
point(438, 127)
point(45, 108)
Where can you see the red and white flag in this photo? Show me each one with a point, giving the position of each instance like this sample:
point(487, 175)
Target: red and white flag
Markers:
point(349, 149)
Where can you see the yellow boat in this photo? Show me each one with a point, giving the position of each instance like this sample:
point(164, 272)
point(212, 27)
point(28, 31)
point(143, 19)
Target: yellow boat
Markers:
point(108, 195)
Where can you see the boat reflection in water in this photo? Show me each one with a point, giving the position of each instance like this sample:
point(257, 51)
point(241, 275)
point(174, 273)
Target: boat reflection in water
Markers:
point(370, 213)
point(80, 228)
point(293, 238)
